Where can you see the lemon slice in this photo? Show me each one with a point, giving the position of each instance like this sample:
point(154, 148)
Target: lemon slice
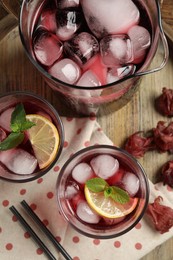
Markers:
point(107, 207)
point(44, 138)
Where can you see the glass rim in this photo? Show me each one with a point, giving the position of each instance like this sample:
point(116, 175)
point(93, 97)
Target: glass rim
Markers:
point(35, 175)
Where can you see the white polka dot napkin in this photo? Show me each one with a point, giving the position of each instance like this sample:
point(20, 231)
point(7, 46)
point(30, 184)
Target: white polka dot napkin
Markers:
point(15, 242)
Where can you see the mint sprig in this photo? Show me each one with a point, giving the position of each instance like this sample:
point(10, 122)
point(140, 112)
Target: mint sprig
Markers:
point(18, 125)
point(100, 185)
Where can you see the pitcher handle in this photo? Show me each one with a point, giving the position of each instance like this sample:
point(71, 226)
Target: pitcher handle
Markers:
point(164, 43)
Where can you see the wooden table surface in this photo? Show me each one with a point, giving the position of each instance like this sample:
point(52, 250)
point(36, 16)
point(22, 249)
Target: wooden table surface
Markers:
point(16, 73)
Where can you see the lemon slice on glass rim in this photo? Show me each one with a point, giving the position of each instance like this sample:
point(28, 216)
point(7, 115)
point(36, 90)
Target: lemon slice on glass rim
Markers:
point(107, 207)
point(44, 138)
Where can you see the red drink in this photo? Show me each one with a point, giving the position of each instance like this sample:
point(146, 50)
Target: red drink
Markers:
point(70, 39)
point(92, 55)
point(89, 211)
point(25, 152)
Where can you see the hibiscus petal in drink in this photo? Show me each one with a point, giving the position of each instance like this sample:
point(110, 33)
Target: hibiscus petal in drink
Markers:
point(68, 22)
point(115, 50)
point(82, 172)
point(47, 47)
point(104, 166)
point(65, 70)
point(18, 161)
point(5, 119)
point(130, 182)
point(48, 21)
point(110, 17)
point(117, 73)
point(85, 213)
point(82, 47)
point(141, 41)
point(67, 3)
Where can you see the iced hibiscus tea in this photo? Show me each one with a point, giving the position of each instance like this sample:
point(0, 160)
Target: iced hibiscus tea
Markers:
point(102, 191)
point(84, 43)
point(31, 137)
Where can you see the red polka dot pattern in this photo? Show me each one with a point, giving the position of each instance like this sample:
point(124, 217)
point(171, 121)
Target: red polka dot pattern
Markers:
point(9, 246)
point(69, 119)
point(14, 218)
point(96, 242)
point(65, 144)
point(33, 206)
point(79, 131)
point(87, 143)
point(56, 168)
point(39, 251)
point(5, 203)
point(58, 238)
point(45, 222)
point(117, 244)
point(50, 195)
point(76, 239)
point(22, 191)
point(138, 226)
point(40, 180)
point(138, 246)
point(76, 258)
point(27, 235)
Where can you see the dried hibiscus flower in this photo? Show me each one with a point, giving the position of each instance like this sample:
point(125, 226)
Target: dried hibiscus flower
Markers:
point(167, 173)
point(161, 215)
point(163, 136)
point(137, 145)
point(164, 103)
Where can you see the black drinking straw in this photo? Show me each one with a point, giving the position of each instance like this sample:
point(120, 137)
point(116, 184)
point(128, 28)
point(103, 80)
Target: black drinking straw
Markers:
point(45, 230)
point(32, 233)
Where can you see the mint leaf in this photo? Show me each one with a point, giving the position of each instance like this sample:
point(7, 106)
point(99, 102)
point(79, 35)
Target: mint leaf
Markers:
point(13, 140)
point(117, 194)
point(96, 184)
point(18, 120)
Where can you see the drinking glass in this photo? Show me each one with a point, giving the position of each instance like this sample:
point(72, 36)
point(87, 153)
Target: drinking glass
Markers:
point(95, 230)
point(34, 104)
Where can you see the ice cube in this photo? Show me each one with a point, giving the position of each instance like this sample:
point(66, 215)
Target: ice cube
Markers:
point(141, 41)
point(104, 166)
point(115, 50)
point(67, 3)
point(5, 119)
point(2, 135)
point(65, 70)
point(85, 213)
point(82, 47)
point(88, 79)
point(117, 73)
point(130, 182)
point(82, 172)
point(68, 22)
point(18, 161)
point(97, 67)
point(110, 17)
point(48, 21)
point(47, 47)
point(71, 190)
